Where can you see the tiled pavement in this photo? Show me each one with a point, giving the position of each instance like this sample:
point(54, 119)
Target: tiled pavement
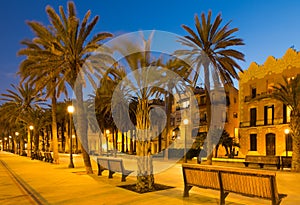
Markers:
point(57, 184)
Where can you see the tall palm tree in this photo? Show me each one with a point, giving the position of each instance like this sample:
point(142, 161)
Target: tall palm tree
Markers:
point(212, 47)
point(63, 49)
point(19, 103)
point(143, 76)
point(289, 94)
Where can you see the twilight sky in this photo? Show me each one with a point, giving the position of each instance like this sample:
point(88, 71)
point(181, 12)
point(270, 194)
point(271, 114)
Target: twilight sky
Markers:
point(268, 27)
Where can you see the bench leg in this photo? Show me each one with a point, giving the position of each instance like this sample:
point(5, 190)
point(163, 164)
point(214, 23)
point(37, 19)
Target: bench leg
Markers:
point(223, 195)
point(124, 178)
point(110, 175)
point(261, 165)
point(278, 166)
point(246, 164)
point(186, 190)
point(99, 170)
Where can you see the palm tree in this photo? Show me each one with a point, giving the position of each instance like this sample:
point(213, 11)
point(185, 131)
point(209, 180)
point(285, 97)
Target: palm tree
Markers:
point(289, 94)
point(20, 102)
point(63, 49)
point(211, 48)
point(139, 85)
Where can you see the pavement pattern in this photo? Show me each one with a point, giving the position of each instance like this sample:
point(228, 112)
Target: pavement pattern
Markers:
point(26, 181)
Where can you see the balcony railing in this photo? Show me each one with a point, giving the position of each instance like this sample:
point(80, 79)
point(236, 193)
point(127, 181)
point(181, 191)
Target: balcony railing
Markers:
point(258, 96)
point(259, 123)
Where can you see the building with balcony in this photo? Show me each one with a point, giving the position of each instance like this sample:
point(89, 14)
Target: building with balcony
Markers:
point(200, 124)
point(264, 122)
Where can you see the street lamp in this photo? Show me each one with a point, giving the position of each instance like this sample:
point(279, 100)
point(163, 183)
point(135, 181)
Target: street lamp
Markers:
point(70, 111)
point(5, 142)
point(185, 122)
point(18, 144)
point(106, 136)
point(31, 133)
point(9, 143)
point(286, 131)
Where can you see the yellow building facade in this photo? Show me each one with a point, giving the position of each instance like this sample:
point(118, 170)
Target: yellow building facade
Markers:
point(200, 125)
point(264, 122)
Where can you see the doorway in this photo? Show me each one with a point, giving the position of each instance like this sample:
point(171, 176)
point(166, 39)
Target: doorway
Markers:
point(270, 144)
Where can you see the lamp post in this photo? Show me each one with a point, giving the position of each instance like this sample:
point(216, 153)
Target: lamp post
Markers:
point(10, 143)
point(5, 143)
point(18, 144)
point(70, 111)
point(185, 122)
point(31, 133)
point(286, 131)
point(106, 136)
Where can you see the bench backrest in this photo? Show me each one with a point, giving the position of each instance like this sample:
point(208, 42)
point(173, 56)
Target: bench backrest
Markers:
point(248, 182)
point(103, 162)
point(201, 177)
point(116, 165)
point(263, 159)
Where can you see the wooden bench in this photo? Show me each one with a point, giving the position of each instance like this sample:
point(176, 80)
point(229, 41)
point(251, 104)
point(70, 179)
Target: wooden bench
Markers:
point(113, 165)
point(262, 160)
point(251, 183)
point(285, 162)
point(40, 156)
point(48, 157)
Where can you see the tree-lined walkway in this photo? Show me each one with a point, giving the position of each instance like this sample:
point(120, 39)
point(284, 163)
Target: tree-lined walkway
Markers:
point(56, 184)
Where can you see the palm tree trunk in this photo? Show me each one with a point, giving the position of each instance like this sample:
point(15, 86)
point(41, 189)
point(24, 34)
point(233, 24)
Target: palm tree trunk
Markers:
point(21, 145)
point(145, 177)
point(36, 141)
point(208, 111)
point(295, 127)
point(169, 101)
point(82, 129)
point(54, 129)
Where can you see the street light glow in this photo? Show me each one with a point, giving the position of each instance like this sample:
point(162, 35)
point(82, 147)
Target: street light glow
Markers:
point(185, 121)
point(9, 136)
point(107, 132)
point(16, 133)
point(287, 131)
point(70, 109)
point(31, 127)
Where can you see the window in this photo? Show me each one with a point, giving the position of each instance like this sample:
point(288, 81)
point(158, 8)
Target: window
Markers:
point(227, 100)
point(270, 84)
point(284, 116)
point(288, 113)
point(234, 100)
point(269, 115)
point(253, 142)
point(289, 142)
point(253, 117)
point(253, 92)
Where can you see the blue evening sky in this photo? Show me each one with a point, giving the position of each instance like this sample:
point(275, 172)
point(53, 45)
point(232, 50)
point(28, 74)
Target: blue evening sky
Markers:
point(268, 27)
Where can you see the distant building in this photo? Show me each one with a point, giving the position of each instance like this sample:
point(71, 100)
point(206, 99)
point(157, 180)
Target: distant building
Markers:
point(230, 116)
point(264, 122)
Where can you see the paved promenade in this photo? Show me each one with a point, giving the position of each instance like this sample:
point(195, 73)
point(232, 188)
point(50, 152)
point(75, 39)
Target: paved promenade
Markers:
point(56, 184)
